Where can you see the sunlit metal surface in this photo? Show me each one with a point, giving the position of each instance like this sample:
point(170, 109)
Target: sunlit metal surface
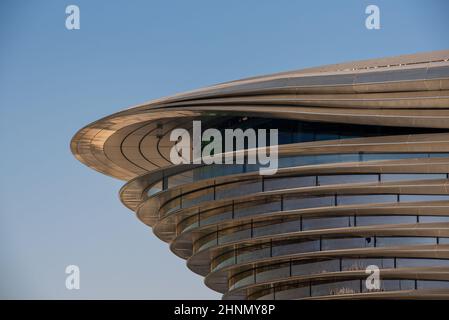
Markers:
point(334, 207)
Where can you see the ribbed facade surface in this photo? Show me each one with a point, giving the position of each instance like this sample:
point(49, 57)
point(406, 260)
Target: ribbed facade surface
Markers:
point(362, 180)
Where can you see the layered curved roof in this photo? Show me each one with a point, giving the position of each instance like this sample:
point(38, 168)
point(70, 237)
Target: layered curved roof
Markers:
point(409, 90)
point(216, 220)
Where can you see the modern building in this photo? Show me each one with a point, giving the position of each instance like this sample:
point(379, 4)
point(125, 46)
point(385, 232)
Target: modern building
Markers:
point(362, 180)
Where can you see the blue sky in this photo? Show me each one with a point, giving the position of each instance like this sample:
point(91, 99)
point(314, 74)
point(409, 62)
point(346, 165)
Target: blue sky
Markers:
point(54, 211)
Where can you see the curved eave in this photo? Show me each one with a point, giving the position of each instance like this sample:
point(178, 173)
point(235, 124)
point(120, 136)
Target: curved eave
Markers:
point(100, 145)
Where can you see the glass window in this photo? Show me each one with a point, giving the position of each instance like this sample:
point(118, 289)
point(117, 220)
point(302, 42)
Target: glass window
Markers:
point(354, 178)
point(309, 202)
point(429, 284)
point(387, 156)
point(234, 234)
point(411, 176)
point(171, 206)
point(215, 215)
point(243, 279)
point(155, 189)
point(188, 224)
point(237, 189)
point(207, 243)
point(288, 182)
point(272, 272)
point(300, 269)
point(293, 293)
point(223, 260)
point(336, 288)
point(193, 198)
point(253, 254)
point(211, 171)
point(371, 198)
point(422, 197)
point(404, 262)
point(179, 179)
point(327, 222)
point(400, 241)
point(373, 220)
point(350, 264)
point(429, 219)
point(246, 209)
point(268, 296)
point(277, 228)
point(346, 243)
point(296, 247)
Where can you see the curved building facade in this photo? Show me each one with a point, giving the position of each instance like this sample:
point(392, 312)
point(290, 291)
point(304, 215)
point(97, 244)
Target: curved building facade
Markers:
point(362, 180)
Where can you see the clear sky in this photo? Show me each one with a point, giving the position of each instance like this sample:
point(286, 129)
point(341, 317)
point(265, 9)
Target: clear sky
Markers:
point(54, 211)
